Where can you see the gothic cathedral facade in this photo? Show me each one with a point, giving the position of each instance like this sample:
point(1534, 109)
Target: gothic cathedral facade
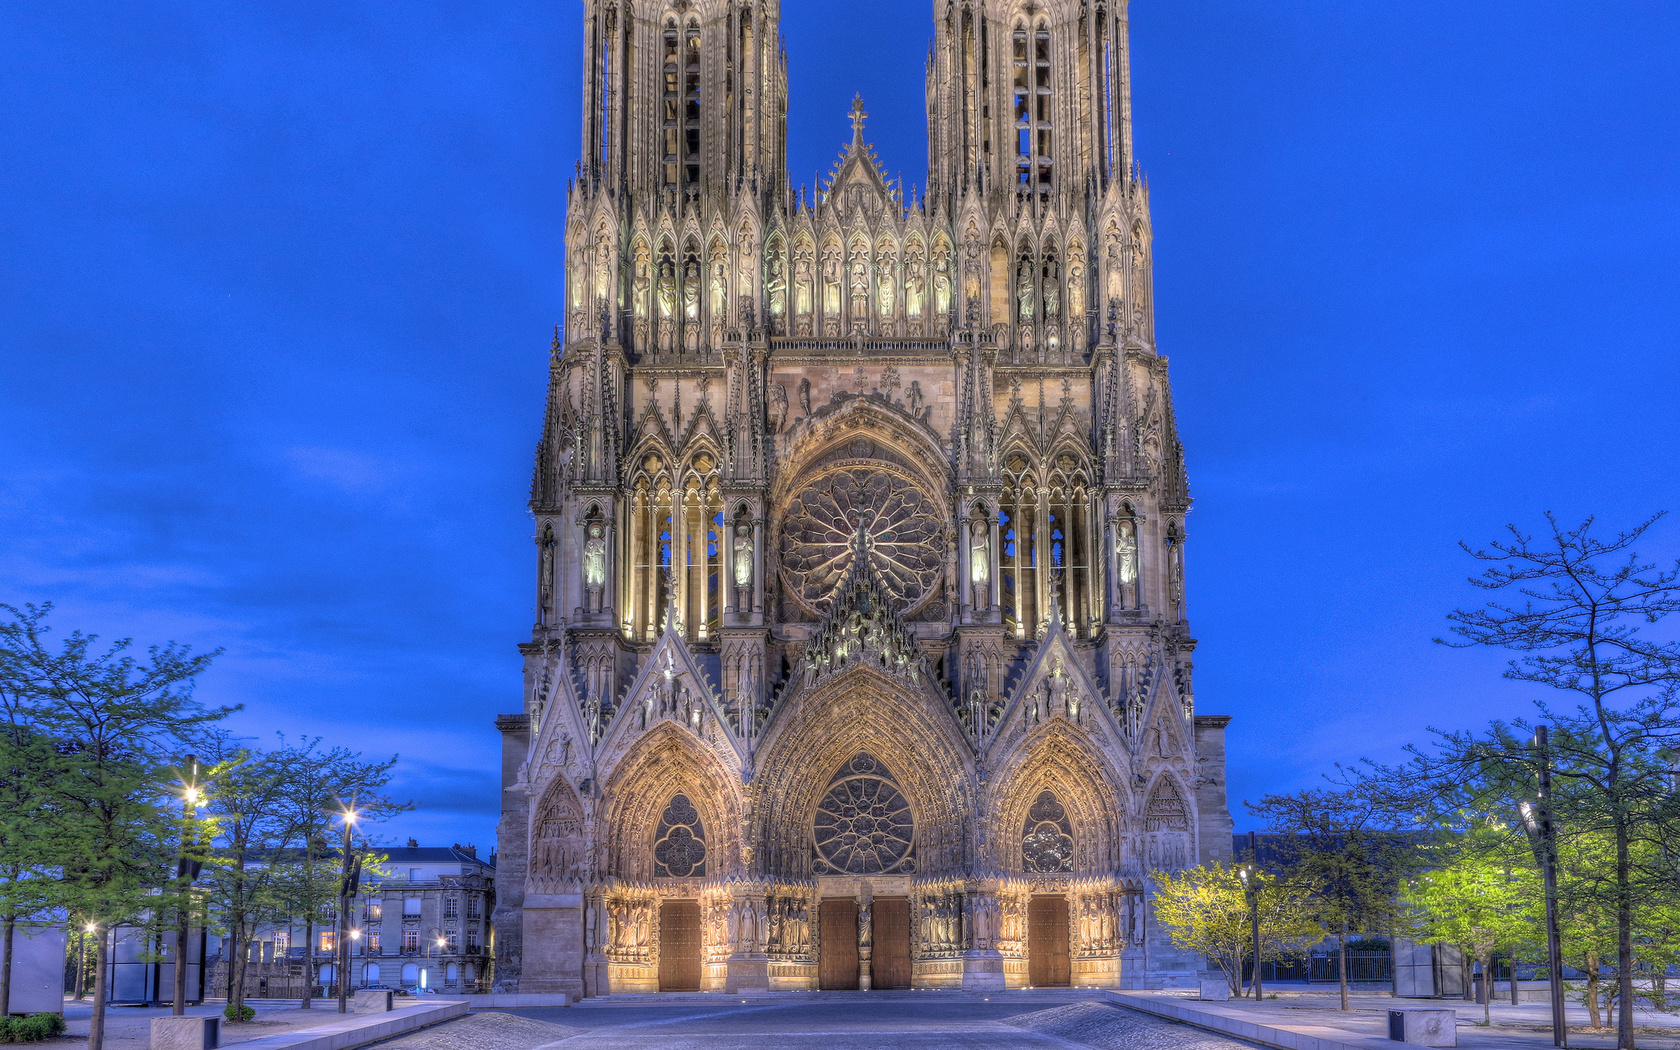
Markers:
point(861, 655)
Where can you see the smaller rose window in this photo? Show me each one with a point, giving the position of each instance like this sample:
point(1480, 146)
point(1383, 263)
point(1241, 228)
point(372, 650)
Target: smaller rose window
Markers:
point(1047, 838)
point(679, 850)
point(864, 825)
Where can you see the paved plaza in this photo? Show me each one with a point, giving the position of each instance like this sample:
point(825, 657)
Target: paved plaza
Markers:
point(878, 1021)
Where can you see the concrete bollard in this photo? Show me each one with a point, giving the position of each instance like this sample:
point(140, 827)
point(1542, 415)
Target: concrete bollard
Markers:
point(1424, 1026)
point(186, 1033)
point(1215, 992)
point(374, 1000)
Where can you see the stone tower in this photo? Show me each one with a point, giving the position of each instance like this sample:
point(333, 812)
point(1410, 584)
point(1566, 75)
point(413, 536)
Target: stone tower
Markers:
point(861, 653)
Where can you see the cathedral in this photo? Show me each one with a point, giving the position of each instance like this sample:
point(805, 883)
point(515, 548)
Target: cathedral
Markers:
point(861, 655)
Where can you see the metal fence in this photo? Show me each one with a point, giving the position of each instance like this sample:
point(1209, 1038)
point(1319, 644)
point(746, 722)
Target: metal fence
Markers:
point(1363, 968)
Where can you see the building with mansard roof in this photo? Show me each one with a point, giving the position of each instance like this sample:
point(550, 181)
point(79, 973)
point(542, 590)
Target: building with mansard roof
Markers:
point(861, 653)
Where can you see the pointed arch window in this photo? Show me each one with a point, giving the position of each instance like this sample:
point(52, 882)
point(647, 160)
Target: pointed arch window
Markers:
point(650, 548)
point(691, 105)
point(1033, 107)
point(679, 847)
point(1047, 837)
point(1070, 526)
point(671, 125)
point(1019, 529)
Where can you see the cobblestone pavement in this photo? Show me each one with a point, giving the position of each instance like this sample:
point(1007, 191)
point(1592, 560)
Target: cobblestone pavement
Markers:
point(922, 1022)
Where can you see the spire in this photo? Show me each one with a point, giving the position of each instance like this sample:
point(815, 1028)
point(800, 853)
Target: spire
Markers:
point(858, 117)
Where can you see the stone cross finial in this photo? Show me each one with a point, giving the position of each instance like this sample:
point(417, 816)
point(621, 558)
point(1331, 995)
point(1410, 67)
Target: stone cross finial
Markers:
point(858, 116)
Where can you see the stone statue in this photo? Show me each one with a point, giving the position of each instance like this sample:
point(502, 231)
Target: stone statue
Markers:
point(545, 576)
point(775, 287)
point(640, 283)
point(887, 293)
point(595, 564)
point(744, 554)
point(914, 398)
point(1125, 550)
point(860, 287)
point(1052, 291)
point(691, 291)
point(778, 407)
point(831, 282)
point(980, 560)
point(667, 289)
point(915, 288)
point(805, 396)
point(941, 286)
point(802, 279)
point(720, 290)
point(1024, 291)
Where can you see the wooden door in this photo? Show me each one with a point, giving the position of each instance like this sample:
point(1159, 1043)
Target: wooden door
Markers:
point(837, 960)
point(890, 960)
point(680, 949)
point(1047, 943)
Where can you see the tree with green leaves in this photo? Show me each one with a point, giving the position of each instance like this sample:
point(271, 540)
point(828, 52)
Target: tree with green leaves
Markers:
point(1338, 842)
point(1573, 606)
point(1206, 910)
point(28, 876)
point(1479, 892)
point(254, 828)
point(320, 784)
point(117, 724)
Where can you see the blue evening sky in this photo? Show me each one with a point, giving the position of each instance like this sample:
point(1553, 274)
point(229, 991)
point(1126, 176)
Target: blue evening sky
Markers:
point(277, 283)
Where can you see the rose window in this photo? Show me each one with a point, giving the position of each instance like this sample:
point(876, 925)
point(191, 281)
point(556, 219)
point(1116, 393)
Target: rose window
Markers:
point(864, 825)
point(905, 529)
point(679, 849)
point(1047, 839)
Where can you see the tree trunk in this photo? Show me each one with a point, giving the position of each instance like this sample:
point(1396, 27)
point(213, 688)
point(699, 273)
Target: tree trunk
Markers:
point(1624, 940)
point(96, 1026)
point(1594, 1017)
point(308, 960)
point(1341, 962)
point(1512, 962)
point(236, 998)
point(1487, 989)
point(6, 965)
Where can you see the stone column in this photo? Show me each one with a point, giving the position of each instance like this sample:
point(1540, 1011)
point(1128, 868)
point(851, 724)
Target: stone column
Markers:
point(997, 563)
point(965, 577)
point(758, 565)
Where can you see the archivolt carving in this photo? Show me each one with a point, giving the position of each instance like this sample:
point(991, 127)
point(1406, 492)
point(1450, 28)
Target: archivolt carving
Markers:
point(857, 712)
point(1057, 763)
point(905, 527)
point(664, 764)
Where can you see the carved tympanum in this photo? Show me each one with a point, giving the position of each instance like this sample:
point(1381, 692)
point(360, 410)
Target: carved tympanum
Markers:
point(905, 530)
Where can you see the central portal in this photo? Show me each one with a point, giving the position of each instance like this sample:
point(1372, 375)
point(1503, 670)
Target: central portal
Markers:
point(1047, 943)
point(680, 950)
point(837, 961)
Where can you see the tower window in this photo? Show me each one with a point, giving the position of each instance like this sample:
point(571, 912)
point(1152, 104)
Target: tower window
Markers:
point(673, 106)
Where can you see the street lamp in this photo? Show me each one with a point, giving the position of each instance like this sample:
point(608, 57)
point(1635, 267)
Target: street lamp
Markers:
point(1250, 876)
point(186, 873)
point(349, 876)
point(1542, 835)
